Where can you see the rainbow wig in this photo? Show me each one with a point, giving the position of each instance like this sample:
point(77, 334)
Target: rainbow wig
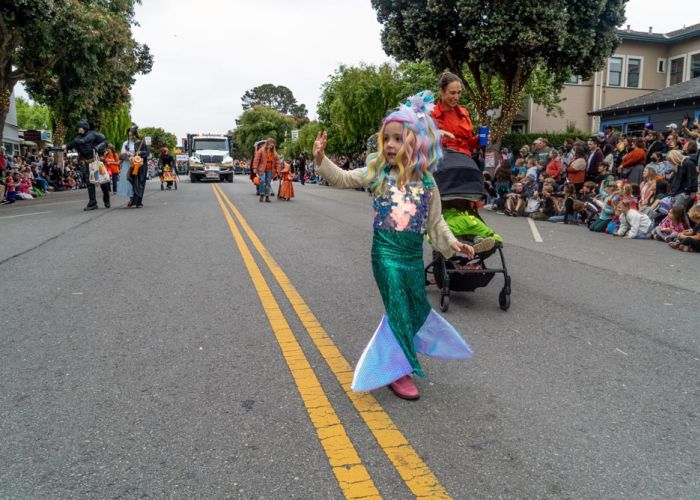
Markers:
point(421, 151)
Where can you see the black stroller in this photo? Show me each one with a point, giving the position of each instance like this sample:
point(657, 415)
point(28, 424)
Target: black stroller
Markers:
point(458, 178)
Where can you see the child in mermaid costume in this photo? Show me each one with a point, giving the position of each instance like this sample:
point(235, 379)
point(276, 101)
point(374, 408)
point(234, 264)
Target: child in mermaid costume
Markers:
point(407, 207)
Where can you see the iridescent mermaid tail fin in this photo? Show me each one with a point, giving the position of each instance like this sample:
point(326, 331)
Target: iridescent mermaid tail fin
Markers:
point(438, 339)
point(382, 361)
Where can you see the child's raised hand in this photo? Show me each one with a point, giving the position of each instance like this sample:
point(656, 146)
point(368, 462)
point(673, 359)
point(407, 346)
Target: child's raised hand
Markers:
point(320, 147)
point(467, 250)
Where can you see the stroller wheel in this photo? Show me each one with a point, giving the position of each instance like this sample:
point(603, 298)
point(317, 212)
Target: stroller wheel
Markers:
point(504, 300)
point(444, 303)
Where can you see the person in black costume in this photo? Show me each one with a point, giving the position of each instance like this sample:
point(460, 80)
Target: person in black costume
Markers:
point(85, 144)
point(166, 160)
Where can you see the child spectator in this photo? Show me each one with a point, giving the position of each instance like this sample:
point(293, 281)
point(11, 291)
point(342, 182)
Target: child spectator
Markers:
point(607, 213)
point(633, 224)
point(689, 240)
point(554, 167)
point(672, 225)
point(569, 214)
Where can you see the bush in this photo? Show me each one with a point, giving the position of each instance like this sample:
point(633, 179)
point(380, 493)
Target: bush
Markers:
point(516, 141)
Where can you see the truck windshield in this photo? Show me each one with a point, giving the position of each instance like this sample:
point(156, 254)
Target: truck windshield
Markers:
point(215, 144)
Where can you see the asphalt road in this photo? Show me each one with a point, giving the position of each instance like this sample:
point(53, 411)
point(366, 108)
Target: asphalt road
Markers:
point(137, 359)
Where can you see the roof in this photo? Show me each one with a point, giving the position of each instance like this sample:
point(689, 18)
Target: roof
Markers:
point(670, 37)
point(675, 94)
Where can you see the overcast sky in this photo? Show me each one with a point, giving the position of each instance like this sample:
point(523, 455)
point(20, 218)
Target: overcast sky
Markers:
point(208, 53)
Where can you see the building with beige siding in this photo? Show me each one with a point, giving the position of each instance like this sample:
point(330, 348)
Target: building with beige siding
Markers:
point(643, 62)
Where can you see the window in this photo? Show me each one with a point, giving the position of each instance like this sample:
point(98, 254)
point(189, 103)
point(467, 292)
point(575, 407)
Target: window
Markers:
point(517, 128)
point(695, 65)
point(634, 66)
point(615, 72)
point(574, 80)
point(676, 70)
point(661, 65)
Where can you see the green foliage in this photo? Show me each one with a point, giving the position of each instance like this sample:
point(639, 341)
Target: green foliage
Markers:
point(32, 116)
point(503, 44)
point(258, 123)
point(91, 64)
point(516, 141)
point(115, 124)
point(307, 136)
point(159, 138)
point(277, 97)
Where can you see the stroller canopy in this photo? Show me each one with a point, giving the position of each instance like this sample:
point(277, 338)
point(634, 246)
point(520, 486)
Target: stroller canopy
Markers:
point(458, 177)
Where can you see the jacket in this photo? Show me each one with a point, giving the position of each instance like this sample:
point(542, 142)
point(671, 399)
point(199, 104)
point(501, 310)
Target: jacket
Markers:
point(635, 157)
point(554, 169)
point(112, 162)
point(686, 179)
point(576, 171)
point(260, 160)
point(594, 161)
point(633, 223)
point(465, 140)
point(86, 143)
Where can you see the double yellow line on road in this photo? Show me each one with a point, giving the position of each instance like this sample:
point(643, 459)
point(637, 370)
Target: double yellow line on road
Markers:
point(353, 478)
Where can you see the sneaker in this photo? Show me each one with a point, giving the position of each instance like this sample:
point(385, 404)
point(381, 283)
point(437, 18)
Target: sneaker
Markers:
point(90, 207)
point(405, 388)
point(267, 199)
point(262, 198)
point(484, 245)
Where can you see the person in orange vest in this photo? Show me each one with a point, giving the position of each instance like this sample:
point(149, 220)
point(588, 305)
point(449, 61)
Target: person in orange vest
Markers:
point(112, 163)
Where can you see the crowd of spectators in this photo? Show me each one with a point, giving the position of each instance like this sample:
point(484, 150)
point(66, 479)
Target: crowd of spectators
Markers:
point(643, 186)
point(34, 175)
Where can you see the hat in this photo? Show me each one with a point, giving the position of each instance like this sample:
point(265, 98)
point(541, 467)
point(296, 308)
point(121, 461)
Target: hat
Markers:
point(601, 134)
point(530, 176)
point(671, 125)
point(649, 126)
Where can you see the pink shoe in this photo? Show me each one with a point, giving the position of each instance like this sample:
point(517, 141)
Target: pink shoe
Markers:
point(405, 388)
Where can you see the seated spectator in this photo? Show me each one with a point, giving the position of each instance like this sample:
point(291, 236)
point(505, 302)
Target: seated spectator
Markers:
point(516, 201)
point(671, 226)
point(660, 165)
point(608, 205)
point(554, 166)
point(520, 169)
point(689, 240)
point(633, 162)
point(633, 224)
point(684, 184)
point(648, 188)
point(576, 171)
point(569, 214)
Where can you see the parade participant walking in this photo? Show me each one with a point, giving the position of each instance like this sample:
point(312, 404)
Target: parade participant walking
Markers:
point(136, 173)
point(302, 168)
point(266, 164)
point(112, 164)
point(88, 143)
point(407, 206)
point(166, 163)
point(286, 191)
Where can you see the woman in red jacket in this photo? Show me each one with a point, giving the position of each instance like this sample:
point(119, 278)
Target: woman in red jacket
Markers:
point(632, 166)
point(112, 164)
point(452, 119)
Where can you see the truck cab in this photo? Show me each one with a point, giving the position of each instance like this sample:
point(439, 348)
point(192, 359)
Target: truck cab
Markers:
point(210, 157)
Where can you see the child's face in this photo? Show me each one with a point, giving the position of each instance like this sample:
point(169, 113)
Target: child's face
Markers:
point(393, 141)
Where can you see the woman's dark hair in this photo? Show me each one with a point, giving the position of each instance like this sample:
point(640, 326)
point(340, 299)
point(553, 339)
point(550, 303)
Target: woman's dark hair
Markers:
point(579, 152)
point(607, 149)
point(636, 190)
point(692, 147)
point(446, 78)
point(640, 143)
point(663, 187)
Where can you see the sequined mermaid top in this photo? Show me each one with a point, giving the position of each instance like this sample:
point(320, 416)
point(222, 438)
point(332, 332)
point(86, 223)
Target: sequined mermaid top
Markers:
point(415, 208)
point(403, 209)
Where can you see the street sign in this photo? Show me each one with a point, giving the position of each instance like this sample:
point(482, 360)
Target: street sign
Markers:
point(147, 139)
point(295, 134)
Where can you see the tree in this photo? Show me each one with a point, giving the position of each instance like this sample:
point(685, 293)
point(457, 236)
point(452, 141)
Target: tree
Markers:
point(115, 124)
point(159, 139)
point(498, 41)
point(32, 116)
point(259, 123)
point(93, 64)
point(277, 97)
point(305, 142)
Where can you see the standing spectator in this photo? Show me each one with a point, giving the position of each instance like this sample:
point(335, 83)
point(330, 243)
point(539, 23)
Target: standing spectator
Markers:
point(685, 181)
point(595, 158)
point(541, 150)
point(656, 145)
point(86, 143)
point(610, 136)
point(112, 164)
point(576, 171)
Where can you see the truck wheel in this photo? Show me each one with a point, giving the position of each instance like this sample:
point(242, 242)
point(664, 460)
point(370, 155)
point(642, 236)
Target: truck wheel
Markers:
point(229, 178)
point(193, 178)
